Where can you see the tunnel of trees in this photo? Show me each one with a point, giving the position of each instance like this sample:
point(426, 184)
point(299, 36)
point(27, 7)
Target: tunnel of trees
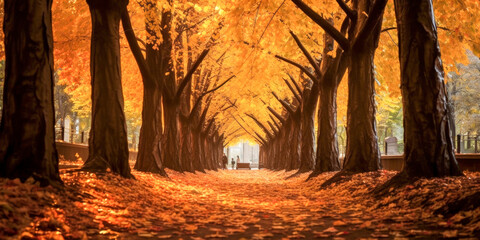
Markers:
point(199, 85)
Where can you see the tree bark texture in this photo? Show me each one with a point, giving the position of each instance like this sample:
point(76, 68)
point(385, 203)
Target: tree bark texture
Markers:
point(172, 136)
point(187, 144)
point(307, 155)
point(429, 149)
point(197, 152)
point(149, 158)
point(295, 141)
point(108, 146)
point(327, 142)
point(362, 153)
point(27, 134)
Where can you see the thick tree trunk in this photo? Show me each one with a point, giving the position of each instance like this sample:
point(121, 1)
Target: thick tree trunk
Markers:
point(287, 150)
point(307, 156)
point(327, 143)
point(187, 145)
point(172, 136)
point(108, 146)
point(149, 157)
point(295, 143)
point(362, 153)
point(27, 132)
point(197, 152)
point(207, 153)
point(284, 150)
point(429, 150)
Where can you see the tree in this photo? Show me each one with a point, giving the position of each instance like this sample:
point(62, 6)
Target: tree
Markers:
point(428, 146)
point(429, 149)
point(27, 129)
point(327, 142)
point(149, 158)
point(362, 152)
point(108, 146)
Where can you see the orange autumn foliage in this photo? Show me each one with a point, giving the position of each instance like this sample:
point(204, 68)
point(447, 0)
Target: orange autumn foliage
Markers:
point(250, 34)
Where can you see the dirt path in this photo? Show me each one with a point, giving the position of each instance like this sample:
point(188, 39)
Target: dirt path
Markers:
point(249, 204)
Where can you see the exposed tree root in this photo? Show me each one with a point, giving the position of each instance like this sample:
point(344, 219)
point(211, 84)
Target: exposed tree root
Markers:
point(340, 177)
point(396, 182)
point(312, 175)
point(99, 166)
point(300, 171)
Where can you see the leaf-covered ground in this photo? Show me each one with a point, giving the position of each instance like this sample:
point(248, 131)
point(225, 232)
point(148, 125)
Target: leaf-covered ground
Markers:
point(236, 204)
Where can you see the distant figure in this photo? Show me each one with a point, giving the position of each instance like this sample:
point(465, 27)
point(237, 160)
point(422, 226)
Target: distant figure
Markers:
point(233, 164)
point(238, 159)
point(224, 161)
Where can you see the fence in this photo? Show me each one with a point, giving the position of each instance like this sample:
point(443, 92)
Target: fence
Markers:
point(71, 136)
point(466, 143)
point(73, 152)
point(81, 137)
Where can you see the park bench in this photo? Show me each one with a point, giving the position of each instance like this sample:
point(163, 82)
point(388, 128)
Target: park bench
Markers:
point(243, 166)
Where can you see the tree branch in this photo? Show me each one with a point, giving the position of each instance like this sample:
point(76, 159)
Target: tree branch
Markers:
point(373, 19)
point(261, 138)
point(265, 142)
point(309, 74)
point(139, 40)
point(203, 116)
point(308, 56)
point(295, 83)
point(277, 115)
point(297, 96)
point(135, 48)
point(388, 29)
point(344, 26)
point(285, 104)
point(274, 129)
point(350, 13)
point(395, 28)
point(327, 27)
point(199, 99)
point(275, 122)
point(219, 86)
point(265, 129)
point(189, 74)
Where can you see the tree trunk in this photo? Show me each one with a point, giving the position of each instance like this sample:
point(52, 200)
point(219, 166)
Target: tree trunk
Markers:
point(429, 149)
point(196, 155)
point(187, 145)
point(295, 143)
point(327, 143)
point(362, 153)
point(307, 156)
point(27, 132)
point(287, 150)
point(108, 145)
point(149, 157)
point(171, 136)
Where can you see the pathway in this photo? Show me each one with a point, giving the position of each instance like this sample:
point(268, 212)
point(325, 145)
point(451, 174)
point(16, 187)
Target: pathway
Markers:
point(232, 204)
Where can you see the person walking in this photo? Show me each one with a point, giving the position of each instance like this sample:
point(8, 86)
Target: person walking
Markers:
point(224, 161)
point(233, 164)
